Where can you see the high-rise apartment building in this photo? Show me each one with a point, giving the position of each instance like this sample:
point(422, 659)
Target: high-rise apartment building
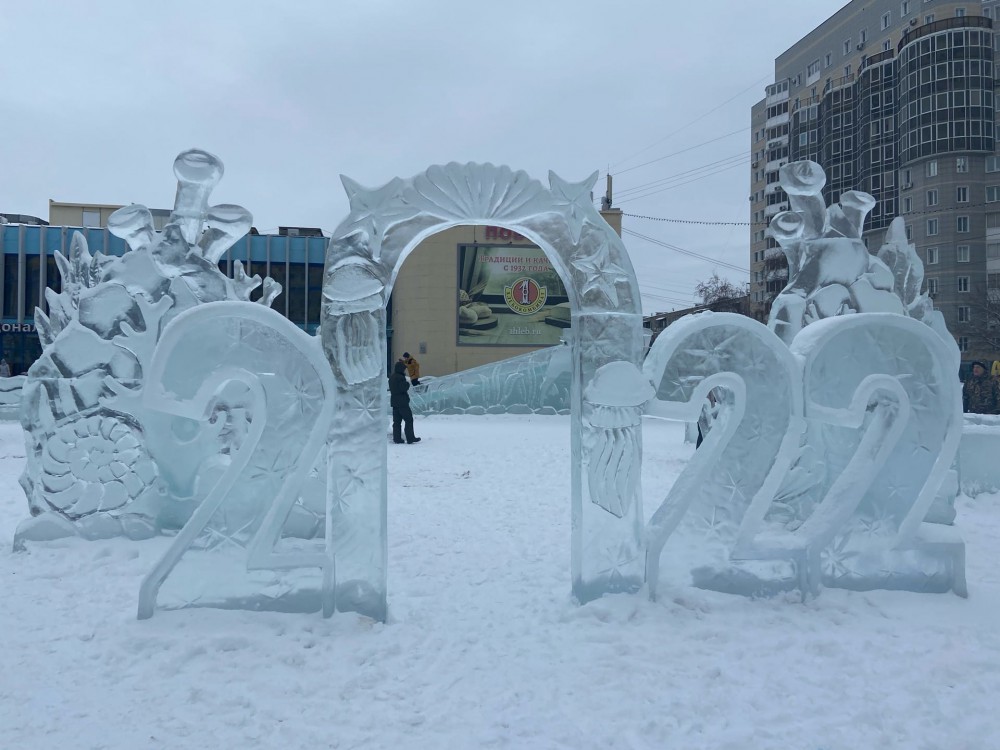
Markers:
point(895, 98)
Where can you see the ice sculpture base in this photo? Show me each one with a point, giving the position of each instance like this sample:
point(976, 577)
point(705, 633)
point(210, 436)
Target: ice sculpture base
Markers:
point(47, 527)
point(977, 454)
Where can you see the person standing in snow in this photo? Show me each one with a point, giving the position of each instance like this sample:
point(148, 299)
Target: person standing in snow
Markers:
point(981, 393)
point(399, 399)
point(4, 369)
point(412, 368)
point(709, 411)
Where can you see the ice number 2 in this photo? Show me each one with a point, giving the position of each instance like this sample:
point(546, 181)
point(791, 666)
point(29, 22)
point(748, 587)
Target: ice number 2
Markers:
point(719, 499)
point(831, 474)
point(236, 551)
point(883, 402)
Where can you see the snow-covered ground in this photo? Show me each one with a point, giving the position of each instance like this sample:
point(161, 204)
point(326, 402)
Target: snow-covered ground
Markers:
point(484, 647)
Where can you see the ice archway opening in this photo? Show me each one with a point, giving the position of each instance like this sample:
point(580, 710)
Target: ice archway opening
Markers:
point(365, 255)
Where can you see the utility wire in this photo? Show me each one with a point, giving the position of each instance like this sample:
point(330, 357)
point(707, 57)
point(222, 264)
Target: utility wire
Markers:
point(688, 182)
point(691, 253)
point(621, 192)
point(712, 223)
point(689, 124)
point(683, 151)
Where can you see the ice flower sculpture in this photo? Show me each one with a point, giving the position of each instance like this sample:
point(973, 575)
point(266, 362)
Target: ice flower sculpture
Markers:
point(92, 468)
point(830, 271)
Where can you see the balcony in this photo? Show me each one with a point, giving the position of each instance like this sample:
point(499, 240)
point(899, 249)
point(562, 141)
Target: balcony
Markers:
point(773, 122)
point(959, 22)
point(777, 208)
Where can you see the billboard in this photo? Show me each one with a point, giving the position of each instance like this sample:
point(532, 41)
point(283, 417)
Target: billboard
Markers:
point(509, 295)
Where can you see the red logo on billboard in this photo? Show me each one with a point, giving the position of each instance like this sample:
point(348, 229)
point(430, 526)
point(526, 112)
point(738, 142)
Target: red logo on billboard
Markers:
point(525, 296)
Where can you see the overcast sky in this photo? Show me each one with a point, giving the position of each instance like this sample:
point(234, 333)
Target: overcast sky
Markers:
point(99, 97)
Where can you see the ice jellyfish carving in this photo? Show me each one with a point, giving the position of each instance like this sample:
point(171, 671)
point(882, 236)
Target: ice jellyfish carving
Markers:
point(365, 253)
point(260, 538)
point(91, 467)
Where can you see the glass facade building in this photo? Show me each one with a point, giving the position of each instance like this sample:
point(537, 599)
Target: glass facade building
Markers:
point(29, 267)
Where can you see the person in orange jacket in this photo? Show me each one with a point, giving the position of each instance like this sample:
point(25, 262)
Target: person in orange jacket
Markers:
point(412, 368)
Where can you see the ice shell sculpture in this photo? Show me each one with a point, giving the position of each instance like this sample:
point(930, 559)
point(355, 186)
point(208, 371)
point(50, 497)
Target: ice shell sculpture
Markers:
point(92, 468)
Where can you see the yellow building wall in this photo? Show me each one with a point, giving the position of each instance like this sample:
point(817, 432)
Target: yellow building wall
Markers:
point(71, 214)
point(425, 304)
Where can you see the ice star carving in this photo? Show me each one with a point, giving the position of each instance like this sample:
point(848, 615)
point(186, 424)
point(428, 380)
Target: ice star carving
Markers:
point(601, 275)
point(575, 199)
point(373, 211)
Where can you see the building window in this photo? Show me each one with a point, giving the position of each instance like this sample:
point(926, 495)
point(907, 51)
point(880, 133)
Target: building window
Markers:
point(932, 198)
point(964, 313)
point(959, 12)
point(932, 227)
point(828, 60)
point(962, 254)
point(907, 205)
point(907, 181)
point(932, 287)
point(932, 256)
point(962, 224)
point(961, 164)
point(904, 7)
point(909, 233)
point(993, 251)
point(963, 284)
point(931, 168)
point(847, 46)
point(813, 69)
point(963, 343)
point(886, 20)
point(992, 193)
point(993, 162)
point(962, 194)
point(929, 18)
point(91, 218)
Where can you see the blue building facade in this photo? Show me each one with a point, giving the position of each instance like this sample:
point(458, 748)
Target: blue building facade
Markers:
point(29, 267)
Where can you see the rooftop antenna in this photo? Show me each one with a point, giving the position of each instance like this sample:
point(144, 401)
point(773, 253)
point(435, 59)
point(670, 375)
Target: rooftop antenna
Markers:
point(606, 200)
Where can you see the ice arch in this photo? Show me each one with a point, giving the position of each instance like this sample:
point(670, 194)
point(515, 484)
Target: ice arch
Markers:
point(365, 253)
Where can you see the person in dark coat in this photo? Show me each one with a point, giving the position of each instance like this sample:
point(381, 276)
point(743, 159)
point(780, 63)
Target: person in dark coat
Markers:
point(980, 394)
point(399, 399)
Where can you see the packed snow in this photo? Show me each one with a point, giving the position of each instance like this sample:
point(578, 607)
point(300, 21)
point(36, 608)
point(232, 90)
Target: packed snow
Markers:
point(484, 646)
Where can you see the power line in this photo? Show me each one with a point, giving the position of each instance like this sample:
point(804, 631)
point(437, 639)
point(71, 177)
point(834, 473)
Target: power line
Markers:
point(683, 151)
point(691, 253)
point(691, 221)
point(708, 222)
point(692, 122)
point(693, 179)
point(694, 170)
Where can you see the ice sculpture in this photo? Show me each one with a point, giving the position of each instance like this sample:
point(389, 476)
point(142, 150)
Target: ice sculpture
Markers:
point(255, 393)
point(92, 466)
point(364, 255)
point(824, 462)
point(978, 454)
point(830, 271)
point(537, 382)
